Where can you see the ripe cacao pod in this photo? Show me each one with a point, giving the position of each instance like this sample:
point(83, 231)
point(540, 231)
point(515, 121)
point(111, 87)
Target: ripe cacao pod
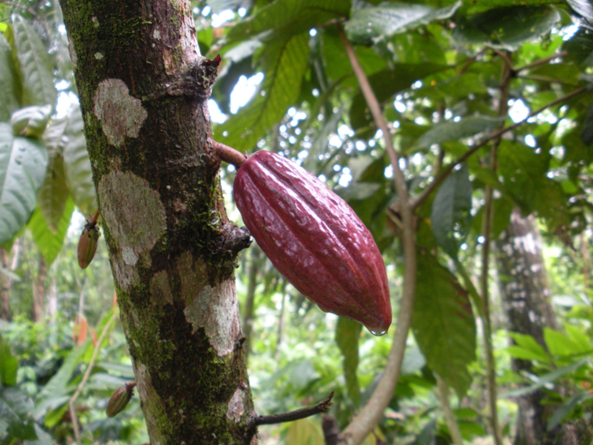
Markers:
point(120, 399)
point(87, 244)
point(314, 238)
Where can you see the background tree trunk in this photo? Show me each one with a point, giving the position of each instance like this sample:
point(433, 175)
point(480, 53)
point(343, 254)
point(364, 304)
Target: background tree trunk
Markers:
point(143, 88)
point(525, 295)
point(39, 290)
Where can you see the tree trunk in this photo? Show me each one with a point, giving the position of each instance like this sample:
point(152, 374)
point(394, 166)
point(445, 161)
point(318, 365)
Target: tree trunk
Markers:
point(525, 293)
point(39, 291)
point(143, 89)
point(5, 282)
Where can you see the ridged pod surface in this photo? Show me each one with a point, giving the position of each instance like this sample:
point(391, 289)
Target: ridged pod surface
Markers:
point(314, 238)
point(87, 245)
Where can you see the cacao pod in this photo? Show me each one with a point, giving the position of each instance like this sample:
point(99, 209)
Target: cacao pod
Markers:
point(314, 238)
point(87, 244)
point(120, 399)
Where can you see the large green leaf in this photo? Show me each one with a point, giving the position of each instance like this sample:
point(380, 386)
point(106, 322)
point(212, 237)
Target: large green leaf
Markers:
point(15, 415)
point(50, 242)
point(347, 335)
point(8, 365)
point(507, 28)
point(580, 47)
point(378, 23)
point(285, 63)
point(450, 216)
point(34, 64)
point(23, 162)
point(453, 131)
point(289, 17)
point(10, 90)
point(443, 323)
point(77, 164)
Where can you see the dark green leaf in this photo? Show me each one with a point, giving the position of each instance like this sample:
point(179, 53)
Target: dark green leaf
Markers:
point(15, 409)
point(23, 162)
point(450, 216)
point(443, 323)
point(587, 132)
point(34, 64)
point(453, 131)
point(580, 47)
point(347, 335)
point(285, 63)
point(507, 28)
point(565, 409)
point(50, 242)
point(377, 23)
point(10, 90)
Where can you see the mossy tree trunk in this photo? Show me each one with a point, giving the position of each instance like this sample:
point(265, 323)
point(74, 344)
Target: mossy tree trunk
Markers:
point(143, 88)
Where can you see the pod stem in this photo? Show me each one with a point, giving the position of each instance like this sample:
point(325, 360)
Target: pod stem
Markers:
point(227, 154)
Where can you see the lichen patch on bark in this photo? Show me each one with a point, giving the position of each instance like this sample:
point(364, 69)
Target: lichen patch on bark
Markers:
point(136, 219)
point(160, 290)
point(236, 406)
point(216, 310)
point(120, 114)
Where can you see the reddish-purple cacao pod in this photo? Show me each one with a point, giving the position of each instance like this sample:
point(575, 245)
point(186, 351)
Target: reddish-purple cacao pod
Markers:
point(314, 239)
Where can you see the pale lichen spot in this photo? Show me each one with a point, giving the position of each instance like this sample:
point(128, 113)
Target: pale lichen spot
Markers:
point(98, 56)
point(120, 114)
point(95, 21)
point(72, 52)
point(216, 310)
point(136, 219)
point(156, 34)
point(236, 406)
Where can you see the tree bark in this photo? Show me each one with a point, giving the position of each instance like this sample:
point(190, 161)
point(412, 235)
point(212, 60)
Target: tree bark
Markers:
point(39, 290)
point(143, 89)
point(525, 294)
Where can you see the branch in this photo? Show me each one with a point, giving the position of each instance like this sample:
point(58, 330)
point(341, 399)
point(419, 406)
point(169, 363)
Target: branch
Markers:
point(227, 154)
point(362, 425)
point(86, 377)
point(447, 170)
point(297, 414)
point(541, 61)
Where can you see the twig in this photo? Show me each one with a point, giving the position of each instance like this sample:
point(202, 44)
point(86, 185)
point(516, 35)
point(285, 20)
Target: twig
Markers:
point(447, 170)
point(86, 377)
point(443, 395)
point(227, 154)
point(321, 407)
point(371, 413)
point(541, 61)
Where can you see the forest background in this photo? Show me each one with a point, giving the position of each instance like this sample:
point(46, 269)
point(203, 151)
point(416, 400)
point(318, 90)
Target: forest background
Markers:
point(483, 185)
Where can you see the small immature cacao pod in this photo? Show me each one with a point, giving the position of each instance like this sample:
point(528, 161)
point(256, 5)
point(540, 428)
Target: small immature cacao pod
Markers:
point(87, 244)
point(120, 399)
point(314, 238)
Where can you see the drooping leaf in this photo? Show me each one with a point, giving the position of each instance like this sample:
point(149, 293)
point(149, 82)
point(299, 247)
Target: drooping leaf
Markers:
point(290, 17)
point(507, 28)
point(305, 431)
point(443, 323)
point(15, 415)
point(50, 242)
point(8, 365)
point(10, 91)
point(450, 216)
point(565, 409)
point(377, 23)
point(285, 63)
point(23, 162)
point(347, 335)
point(34, 65)
point(77, 165)
point(453, 131)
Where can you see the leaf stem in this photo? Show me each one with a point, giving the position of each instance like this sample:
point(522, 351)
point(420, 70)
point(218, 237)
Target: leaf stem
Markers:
point(365, 422)
point(297, 414)
point(227, 154)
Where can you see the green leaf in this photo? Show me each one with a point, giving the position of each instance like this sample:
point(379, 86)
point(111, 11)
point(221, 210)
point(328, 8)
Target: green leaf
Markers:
point(528, 343)
point(77, 164)
point(8, 365)
point(566, 408)
point(347, 335)
point(304, 432)
point(378, 23)
point(580, 47)
point(285, 63)
point(23, 162)
point(15, 409)
point(34, 64)
point(54, 191)
point(450, 216)
point(9, 92)
point(290, 17)
point(49, 242)
point(507, 28)
point(560, 345)
point(30, 121)
point(443, 323)
point(453, 131)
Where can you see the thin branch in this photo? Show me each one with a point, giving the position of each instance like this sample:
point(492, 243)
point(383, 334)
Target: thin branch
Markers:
point(541, 61)
point(447, 170)
point(365, 422)
point(443, 395)
point(227, 154)
point(86, 377)
point(297, 414)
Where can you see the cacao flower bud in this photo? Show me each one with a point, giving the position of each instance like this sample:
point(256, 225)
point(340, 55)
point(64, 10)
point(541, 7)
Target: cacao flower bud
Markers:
point(314, 238)
point(87, 244)
point(120, 399)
